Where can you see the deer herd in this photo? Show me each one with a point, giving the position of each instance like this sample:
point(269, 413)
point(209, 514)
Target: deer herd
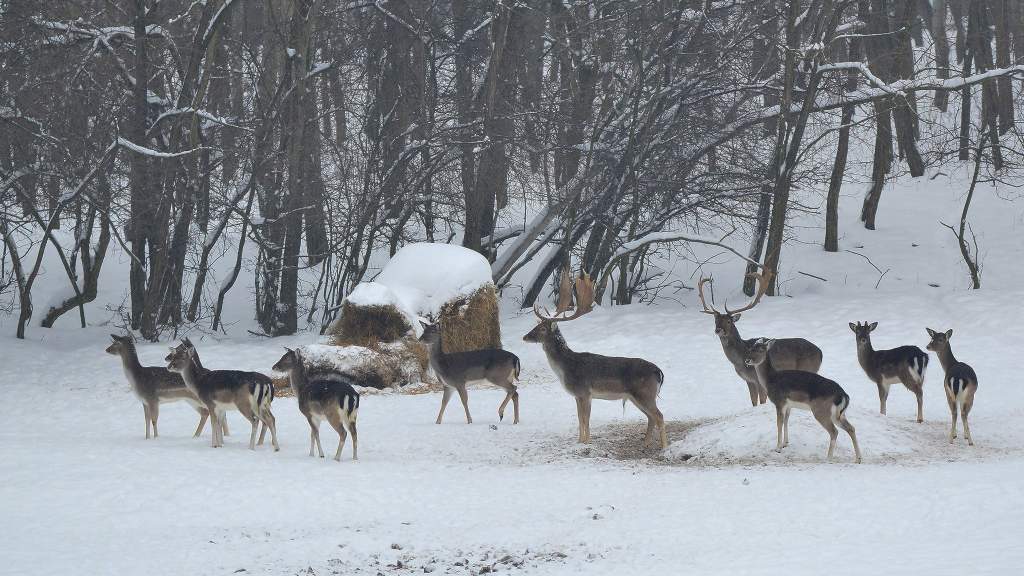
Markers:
point(783, 370)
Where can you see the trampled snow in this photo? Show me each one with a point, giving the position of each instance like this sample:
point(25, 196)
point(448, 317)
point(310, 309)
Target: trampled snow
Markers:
point(82, 491)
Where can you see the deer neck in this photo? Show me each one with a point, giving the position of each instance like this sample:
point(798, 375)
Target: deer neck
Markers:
point(946, 357)
point(765, 371)
point(197, 365)
point(731, 339)
point(297, 379)
point(191, 373)
point(556, 349)
point(130, 362)
point(435, 351)
point(865, 352)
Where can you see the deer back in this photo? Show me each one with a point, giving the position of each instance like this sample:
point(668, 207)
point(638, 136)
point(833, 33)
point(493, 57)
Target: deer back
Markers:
point(319, 395)
point(612, 377)
point(492, 364)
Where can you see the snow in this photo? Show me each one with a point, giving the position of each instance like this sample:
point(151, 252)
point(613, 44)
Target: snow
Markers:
point(83, 492)
point(422, 277)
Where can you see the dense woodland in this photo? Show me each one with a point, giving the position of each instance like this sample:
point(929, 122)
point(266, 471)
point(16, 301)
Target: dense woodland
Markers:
point(294, 139)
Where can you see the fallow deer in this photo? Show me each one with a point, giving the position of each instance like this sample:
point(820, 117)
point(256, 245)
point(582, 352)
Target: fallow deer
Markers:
point(155, 385)
point(586, 376)
point(906, 364)
point(321, 398)
point(786, 353)
point(790, 389)
point(248, 392)
point(457, 369)
point(960, 381)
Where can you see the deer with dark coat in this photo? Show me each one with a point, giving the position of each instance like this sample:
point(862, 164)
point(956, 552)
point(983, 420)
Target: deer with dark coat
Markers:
point(251, 393)
point(906, 364)
point(323, 397)
point(790, 389)
point(455, 370)
point(586, 376)
point(960, 381)
point(155, 385)
point(786, 353)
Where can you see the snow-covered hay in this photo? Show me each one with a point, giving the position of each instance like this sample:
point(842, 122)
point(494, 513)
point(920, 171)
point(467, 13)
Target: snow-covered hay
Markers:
point(448, 283)
point(471, 323)
point(385, 366)
point(368, 325)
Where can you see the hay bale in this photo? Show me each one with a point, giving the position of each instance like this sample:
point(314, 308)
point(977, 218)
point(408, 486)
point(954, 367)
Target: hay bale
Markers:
point(387, 366)
point(367, 326)
point(471, 322)
point(448, 283)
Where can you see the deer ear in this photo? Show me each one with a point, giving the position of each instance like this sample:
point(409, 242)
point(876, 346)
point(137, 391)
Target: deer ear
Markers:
point(853, 326)
point(735, 317)
point(872, 327)
point(930, 332)
point(949, 334)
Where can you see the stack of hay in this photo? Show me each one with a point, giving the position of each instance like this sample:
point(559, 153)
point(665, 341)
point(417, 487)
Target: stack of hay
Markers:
point(379, 324)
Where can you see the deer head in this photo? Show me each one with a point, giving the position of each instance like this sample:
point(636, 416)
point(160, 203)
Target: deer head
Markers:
point(939, 340)
point(725, 322)
point(863, 331)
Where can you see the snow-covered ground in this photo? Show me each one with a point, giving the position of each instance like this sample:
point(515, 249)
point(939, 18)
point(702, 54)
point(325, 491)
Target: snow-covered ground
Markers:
point(82, 491)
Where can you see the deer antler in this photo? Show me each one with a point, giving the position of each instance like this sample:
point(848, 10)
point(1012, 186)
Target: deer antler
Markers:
point(764, 279)
point(584, 292)
point(564, 292)
point(700, 293)
point(584, 301)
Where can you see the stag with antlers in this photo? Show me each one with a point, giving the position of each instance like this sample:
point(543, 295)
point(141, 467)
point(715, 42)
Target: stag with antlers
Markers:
point(784, 353)
point(587, 376)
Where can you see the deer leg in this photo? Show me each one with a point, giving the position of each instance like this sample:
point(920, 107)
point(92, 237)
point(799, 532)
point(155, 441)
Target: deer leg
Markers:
point(920, 404)
point(779, 418)
point(843, 423)
point(445, 397)
point(215, 419)
point(335, 420)
point(586, 403)
point(659, 420)
point(649, 433)
point(762, 394)
point(263, 430)
point(501, 408)
point(515, 406)
point(312, 436)
point(254, 422)
point(825, 419)
point(754, 393)
point(203, 415)
point(951, 399)
point(224, 428)
point(314, 432)
point(883, 393)
point(464, 397)
point(269, 422)
point(145, 413)
point(579, 417)
point(352, 431)
point(154, 415)
point(785, 426)
point(909, 379)
point(965, 409)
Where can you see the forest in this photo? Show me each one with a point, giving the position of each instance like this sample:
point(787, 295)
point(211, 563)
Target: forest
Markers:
point(293, 141)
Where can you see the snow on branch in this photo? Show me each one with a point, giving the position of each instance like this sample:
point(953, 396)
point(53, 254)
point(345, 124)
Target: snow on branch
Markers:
point(70, 33)
point(125, 143)
point(662, 237)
